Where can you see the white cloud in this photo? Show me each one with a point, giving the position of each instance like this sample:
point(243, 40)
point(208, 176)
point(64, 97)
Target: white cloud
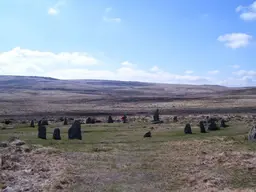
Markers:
point(55, 9)
point(250, 73)
point(114, 20)
point(128, 74)
point(107, 10)
point(247, 13)
point(78, 65)
point(128, 64)
point(235, 66)
point(155, 68)
point(214, 72)
point(74, 65)
point(235, 40)
point(189, 72)
point(107, 18)
point(22, 61)
point(52, 11)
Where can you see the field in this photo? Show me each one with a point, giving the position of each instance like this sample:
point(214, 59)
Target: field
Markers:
point(116, 157)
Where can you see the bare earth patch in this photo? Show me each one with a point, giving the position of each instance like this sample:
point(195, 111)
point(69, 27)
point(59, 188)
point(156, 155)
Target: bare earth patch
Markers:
point(32, 169)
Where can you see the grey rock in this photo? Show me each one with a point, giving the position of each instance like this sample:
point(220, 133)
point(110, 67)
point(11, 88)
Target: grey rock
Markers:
point(8, 189)
point(187, 129)
point(252, 134)
point(74, 131)
point(3, 144)
point(42, 132)
point(56, 134)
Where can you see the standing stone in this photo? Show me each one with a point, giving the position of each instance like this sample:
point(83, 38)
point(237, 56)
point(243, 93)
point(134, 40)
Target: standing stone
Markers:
point(32, 123)
point(175, 119)
point(148, 134)
point(223, 123)
point(39, 123)
point(110, 120)
point(74, 131)
point(44, 122)
point(212, 126)
point(42, 132)
point(202, 128)
point(156, 115)
point(88, 120)
point(56, 134)
point(65, 121)
point(187, 129)
point(252, 134)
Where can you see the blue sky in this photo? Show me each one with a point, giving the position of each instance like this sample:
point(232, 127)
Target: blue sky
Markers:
point(171, 41)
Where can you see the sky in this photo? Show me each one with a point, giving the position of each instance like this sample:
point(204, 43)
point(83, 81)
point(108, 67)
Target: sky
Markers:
point(165, 41)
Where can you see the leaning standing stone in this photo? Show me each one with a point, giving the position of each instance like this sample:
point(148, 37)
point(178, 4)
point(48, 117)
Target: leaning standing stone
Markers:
point(74, 131)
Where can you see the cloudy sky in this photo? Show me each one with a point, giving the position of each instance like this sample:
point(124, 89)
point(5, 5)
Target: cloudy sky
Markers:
point(170, 41)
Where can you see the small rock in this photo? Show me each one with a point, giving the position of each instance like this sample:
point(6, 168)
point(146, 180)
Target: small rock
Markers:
point(8, 189)
point(18, 142)
point(3, 144)
point(26, 148)
point(148, 134)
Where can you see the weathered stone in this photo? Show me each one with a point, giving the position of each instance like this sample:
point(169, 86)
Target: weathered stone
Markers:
point(187, 129)
point(202, 128)
point(65, 121)
point(32, 123)
point(156, 115)
point(148, 134)
point(90, 120)
point(61, 119)
point(110, 120)
point(7, 121)
point(8, 189)
point(3, 144)
point(44, 122)
point(18, 142)
point(223, 123)
point(74, 131)
point(42, 132)
point(56, 134)
point(252, 134)
point(212, 126)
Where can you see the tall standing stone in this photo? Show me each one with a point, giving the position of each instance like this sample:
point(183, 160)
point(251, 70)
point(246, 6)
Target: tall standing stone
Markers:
point(32, 123)
point(110, 120)
point(202, 128)
point(156, 115)
point(65, 121)
point(74, 131)
point(42, 132)
point(56, 134)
